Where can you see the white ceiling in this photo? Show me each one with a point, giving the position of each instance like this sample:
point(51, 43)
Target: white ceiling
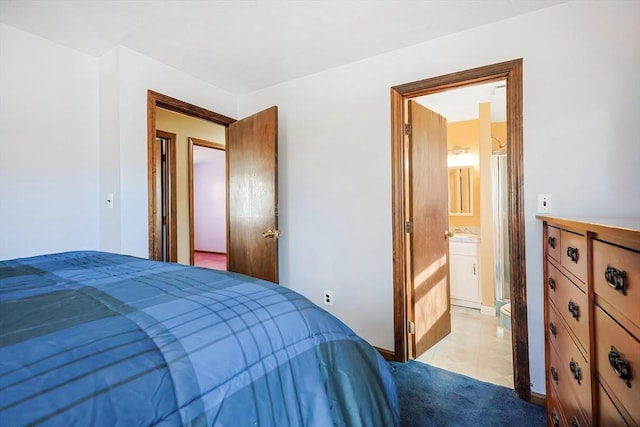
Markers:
point(243, 46)
point(462, 104)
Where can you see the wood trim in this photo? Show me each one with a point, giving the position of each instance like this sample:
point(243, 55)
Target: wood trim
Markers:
point(386, 354)
point(538, 399)
point(173, 104)
point(211, 252)
point(172, 217)
point(208, 144)
point(400, 297)
point(154, 100)
point(511, 71)
point(517, 244)
point(155, 236)
point(155, 202)
point(191, 197)
point(200, 143)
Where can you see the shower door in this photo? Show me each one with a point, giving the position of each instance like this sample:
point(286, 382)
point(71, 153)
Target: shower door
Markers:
point(500, 226)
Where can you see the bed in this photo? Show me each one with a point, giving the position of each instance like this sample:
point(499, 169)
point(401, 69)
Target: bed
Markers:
point(95, 338)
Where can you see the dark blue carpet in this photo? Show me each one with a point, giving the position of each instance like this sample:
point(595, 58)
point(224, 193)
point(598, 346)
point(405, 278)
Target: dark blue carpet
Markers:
point(430, 396)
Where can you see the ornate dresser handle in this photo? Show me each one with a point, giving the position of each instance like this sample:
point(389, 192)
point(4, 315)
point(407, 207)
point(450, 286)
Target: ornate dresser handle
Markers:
point(617, 279)
point(620, 366)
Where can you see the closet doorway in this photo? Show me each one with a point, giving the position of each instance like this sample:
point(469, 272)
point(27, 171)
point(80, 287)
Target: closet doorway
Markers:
point(511, 72)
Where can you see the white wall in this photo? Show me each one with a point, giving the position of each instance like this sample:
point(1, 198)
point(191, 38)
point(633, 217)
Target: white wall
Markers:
point(110, 218)
point(48, 146)
point(581, 143)
point(135, 75)
point(209, 202)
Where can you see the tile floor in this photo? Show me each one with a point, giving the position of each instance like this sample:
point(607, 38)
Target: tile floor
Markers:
point(478, 346)
point(209, 260)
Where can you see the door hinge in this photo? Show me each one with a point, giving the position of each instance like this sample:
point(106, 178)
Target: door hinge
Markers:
point(407, 128)
point(411, 327)
point(408, 227)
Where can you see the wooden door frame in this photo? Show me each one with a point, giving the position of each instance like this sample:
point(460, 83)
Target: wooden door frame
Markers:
point(171, 217)
point(154, 100)
point(511, 71)
point(200, 143)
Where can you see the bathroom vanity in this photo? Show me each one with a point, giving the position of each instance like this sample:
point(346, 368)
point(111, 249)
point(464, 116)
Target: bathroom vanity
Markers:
point(464, 270)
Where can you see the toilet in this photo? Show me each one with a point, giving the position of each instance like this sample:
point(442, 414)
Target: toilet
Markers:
point(505, 316)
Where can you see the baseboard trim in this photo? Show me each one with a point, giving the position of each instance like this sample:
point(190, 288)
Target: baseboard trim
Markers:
point(489, 311)
point(539, 399)
point(386, 354)
point(209, 252)
point(465, 303)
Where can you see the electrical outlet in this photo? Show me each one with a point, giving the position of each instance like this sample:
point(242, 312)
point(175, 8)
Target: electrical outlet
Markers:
point(328, 298)
point(544, 203)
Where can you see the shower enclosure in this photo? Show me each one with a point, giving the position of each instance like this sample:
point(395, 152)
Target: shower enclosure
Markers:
point(500, 227)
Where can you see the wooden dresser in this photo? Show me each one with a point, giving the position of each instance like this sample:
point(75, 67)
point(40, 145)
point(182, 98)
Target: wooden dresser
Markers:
point(592, 320)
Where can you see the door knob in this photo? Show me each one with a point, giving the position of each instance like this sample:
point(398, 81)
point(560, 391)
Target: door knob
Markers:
point(271, 234)
point(448, 233)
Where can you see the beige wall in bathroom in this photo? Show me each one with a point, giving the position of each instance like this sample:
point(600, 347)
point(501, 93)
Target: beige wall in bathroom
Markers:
point(464, 134)
point(486, 208)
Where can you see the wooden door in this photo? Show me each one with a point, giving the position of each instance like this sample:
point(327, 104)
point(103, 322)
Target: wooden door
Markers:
point(429, 245)
point(252, 206)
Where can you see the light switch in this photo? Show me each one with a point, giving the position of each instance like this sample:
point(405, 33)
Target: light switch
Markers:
point(110, 200)
point(544, 203)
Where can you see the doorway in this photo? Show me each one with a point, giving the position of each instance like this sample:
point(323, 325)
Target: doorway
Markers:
point(511, 72)
point(479, 344)
point(207, 204)
point(251, 186)
point(157, 100)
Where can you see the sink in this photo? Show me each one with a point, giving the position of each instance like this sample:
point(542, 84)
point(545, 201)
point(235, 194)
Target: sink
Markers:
point(465, 237)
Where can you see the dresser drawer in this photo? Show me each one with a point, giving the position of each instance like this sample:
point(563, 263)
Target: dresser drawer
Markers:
point(559, 336)
point(608, 415)
point(563, 401)
point(592, 315)
point(574, 397)
point(555, 416)
point(616, 267)
point(574, 254)
point(617, 350)
point(553, 242)
point(571, 302)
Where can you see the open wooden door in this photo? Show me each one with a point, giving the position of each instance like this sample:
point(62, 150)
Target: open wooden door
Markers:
point(429, 216)
point(252, 205)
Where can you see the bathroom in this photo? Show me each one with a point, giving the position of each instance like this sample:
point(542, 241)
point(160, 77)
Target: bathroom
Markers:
point(480, 342)
point(477, 211)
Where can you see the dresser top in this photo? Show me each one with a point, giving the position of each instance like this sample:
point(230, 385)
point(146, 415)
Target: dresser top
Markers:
point(628, 226)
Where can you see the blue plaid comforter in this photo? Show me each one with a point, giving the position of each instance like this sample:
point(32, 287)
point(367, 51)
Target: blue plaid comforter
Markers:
point(93, 338)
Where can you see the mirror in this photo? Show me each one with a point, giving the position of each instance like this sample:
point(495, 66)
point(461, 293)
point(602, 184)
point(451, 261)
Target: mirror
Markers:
point(461, 191)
